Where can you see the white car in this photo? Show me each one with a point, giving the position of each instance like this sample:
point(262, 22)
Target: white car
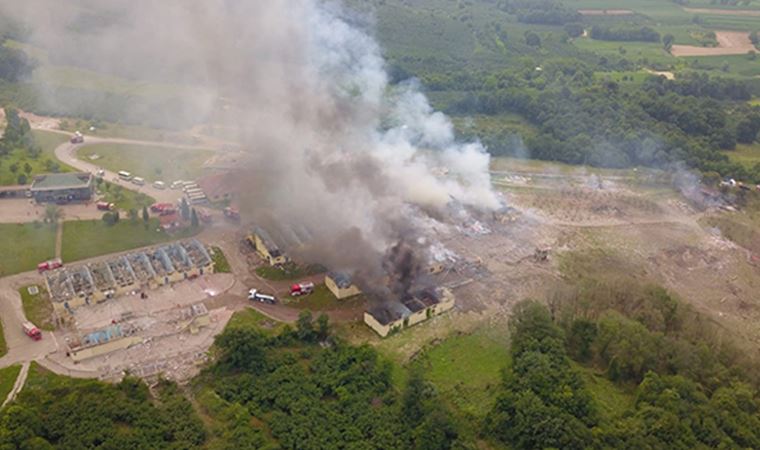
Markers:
point(176, 185)
point(159, 185)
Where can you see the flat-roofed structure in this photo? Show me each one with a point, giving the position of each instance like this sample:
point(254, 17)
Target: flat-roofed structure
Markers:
point(62, 187)
point(393, 316)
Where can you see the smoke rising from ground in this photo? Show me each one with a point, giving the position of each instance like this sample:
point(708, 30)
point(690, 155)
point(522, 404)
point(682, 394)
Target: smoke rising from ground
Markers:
point(334, 152)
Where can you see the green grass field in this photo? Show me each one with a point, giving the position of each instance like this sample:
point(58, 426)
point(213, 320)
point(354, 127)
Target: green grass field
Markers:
point(151, 163)
point(84, 239)
point(221, 265)
point(322, 300)
point(8, 377)
point(467, 369)
point(290, 271)
point(124, 199)
point(23, 246)
point(37, 308)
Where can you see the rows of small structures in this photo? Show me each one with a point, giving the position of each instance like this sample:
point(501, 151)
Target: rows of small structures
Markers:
point(79, 285)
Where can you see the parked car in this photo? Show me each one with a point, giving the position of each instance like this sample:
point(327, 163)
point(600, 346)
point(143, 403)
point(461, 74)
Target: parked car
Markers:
point(104, 206)
point(138, 181)
point(159, 185)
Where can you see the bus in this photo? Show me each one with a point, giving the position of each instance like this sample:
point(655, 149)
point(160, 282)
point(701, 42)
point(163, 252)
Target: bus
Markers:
point(124, 175)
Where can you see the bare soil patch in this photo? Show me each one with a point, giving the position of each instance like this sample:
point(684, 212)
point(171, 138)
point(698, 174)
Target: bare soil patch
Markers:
point(605, 12)
point(729, 43)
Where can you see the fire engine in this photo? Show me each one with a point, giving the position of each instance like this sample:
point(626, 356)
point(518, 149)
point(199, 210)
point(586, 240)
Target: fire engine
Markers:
point(301, 289)
point(31, 331)
point(49, 265)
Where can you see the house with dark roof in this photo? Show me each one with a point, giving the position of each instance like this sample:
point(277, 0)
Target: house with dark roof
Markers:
point(392, 316)
point(340, 284)
point(62, 187)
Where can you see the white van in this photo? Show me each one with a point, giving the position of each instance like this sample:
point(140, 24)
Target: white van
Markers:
point(159, 185)
point(124, 175)
point(138, 181)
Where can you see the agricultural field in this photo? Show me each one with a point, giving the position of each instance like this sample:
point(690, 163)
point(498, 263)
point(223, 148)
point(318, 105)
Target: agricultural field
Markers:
point(84, 239)
point(151, 163)
point(23, 246)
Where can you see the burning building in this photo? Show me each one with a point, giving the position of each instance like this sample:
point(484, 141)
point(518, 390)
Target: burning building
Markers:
point(393, 316)
point(341, 285)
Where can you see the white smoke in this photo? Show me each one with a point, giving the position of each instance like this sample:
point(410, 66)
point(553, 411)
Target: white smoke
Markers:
point(333, 147)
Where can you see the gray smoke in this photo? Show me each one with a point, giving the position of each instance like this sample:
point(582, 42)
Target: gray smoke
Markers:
point(335, 153)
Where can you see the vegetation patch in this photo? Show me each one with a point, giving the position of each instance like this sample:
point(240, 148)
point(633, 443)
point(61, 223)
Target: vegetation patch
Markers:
point(8, 377)
point(84, 239)
point(59, 412)
point(221, 265)
point(288, 271)
point(466, 369)
point(323, 300)
point(3, 345)
point(123, 199)
point(23, 246)
point(37, 307)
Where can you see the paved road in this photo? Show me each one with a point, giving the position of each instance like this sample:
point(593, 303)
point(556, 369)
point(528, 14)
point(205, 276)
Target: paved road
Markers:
point(21, 348)
point(66, 153)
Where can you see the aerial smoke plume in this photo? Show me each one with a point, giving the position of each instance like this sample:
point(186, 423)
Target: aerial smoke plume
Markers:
point(334, 152)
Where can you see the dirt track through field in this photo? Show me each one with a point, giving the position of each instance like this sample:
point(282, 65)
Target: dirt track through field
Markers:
point(724, 12)
point(729, 43)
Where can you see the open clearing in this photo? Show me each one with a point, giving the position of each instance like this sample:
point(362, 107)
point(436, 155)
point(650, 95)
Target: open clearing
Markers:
point(724, 12)
point(729, 43)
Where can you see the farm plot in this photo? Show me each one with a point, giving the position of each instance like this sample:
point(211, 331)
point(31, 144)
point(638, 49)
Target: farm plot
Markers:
point(729, 43)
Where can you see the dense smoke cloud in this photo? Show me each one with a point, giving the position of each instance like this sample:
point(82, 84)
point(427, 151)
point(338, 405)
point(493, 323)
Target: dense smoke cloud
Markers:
point(335, 153)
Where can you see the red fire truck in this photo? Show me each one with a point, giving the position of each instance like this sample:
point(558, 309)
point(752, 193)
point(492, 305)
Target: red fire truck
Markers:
point(300, 289)
point(49, 265)
point(31, 331)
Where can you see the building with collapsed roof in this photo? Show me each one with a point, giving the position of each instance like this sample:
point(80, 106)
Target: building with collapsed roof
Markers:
point(340, 284)
point(75, 286)
point(62, 187)
point(266, 247)
point(391, 317)
point(102, 341)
